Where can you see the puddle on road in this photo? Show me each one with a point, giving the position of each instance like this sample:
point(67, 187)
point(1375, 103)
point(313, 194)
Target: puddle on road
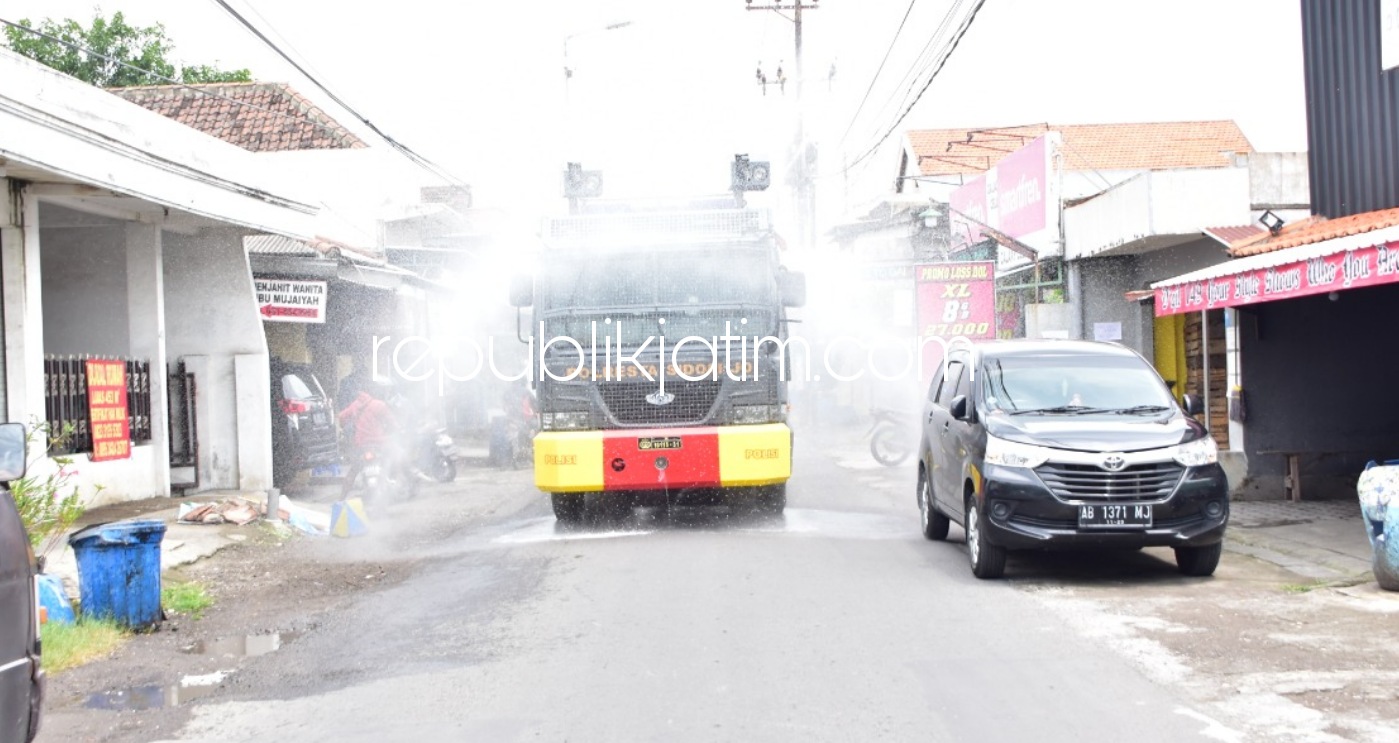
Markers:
point(246, 646)
point(156, 696)
point(548, 530)
point(649, 521)
point(190, 688)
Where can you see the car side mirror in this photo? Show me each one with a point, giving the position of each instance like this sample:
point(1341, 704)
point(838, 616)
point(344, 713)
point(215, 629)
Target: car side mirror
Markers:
point(791, 286)
point(1193, 404)
point(961, 409)
point(521, 290)
point(14, 454)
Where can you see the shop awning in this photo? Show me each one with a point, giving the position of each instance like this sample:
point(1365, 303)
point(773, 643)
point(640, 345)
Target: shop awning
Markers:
point(1356, 258)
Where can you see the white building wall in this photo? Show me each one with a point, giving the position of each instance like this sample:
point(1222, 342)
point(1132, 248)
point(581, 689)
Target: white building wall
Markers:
point(84, 280)
point(211, 322)
point(1157, 203)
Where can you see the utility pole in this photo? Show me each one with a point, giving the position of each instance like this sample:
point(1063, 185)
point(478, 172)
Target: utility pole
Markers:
point(803, 192)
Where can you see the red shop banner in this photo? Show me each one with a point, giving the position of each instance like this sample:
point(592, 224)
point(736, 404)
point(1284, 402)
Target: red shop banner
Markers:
point(1352, 269)
point(954, 300)
point(106, 402)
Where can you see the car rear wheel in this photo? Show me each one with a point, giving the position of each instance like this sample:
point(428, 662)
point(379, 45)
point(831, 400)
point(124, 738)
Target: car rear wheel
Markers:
point(987, 560)
point(1199, 561)
point(568, 507)
point(935, 524)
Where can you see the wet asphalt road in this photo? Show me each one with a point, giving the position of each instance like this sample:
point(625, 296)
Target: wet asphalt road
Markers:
point(834, 622)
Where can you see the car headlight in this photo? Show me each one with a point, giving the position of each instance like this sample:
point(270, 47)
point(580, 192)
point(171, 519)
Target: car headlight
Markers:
point(568, 421)
point(1197, 453)
point(755, 414)
point(1012, 454)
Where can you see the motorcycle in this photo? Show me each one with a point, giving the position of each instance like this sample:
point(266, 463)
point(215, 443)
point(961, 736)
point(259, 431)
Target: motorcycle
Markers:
point(891, 437)
point(382, 478)
point(437, 454)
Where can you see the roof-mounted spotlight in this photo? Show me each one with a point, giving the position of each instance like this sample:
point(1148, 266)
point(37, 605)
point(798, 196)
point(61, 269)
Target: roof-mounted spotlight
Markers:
point(1272, 221)
point(751, 175)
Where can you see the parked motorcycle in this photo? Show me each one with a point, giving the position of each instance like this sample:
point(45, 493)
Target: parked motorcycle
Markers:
point(437, 454)
point(892, 437)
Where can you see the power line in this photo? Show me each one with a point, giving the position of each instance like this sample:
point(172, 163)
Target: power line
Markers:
point(926, 57)
point(879, 71)
point(157, 76)
point(407, 151)
point(956, 40)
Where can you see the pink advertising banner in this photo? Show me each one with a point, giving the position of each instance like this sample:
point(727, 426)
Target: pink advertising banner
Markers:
point(1351, 269)
point(1010, 197)
point(954, 300)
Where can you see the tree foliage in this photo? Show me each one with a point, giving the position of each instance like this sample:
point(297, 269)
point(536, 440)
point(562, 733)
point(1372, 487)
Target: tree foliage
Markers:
point(96, 54)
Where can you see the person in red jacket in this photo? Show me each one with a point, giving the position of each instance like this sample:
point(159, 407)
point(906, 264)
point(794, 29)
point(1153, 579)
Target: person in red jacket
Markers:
point(373, 424)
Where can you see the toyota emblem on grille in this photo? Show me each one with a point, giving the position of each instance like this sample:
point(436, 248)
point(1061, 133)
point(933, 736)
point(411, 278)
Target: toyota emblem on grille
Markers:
point(1114, 462)
point(660, 398)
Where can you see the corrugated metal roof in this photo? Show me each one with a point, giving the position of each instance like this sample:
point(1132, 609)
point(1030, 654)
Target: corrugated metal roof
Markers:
point(277, 245)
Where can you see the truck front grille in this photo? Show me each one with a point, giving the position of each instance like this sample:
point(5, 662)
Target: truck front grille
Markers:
point(627, 402)
point(1090, 482)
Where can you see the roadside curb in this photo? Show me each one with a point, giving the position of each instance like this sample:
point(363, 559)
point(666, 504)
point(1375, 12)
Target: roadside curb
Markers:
point(1320, 540)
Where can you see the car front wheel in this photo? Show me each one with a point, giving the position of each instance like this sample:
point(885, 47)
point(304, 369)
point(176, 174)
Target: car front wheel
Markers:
point(987, 560)
point(935, 524)
point(1199, 561)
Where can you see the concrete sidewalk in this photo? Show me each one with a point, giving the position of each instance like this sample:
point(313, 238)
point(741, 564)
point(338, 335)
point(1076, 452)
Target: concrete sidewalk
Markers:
point(1322, 540)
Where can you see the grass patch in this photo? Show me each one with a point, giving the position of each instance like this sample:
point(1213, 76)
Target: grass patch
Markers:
point(1301, 587)
point(69, 645)
point(189, 599)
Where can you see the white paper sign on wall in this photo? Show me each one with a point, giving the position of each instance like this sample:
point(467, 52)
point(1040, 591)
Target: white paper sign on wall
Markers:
point(291, 301)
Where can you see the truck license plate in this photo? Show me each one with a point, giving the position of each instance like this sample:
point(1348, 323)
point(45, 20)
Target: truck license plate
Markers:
point(652, 443)
point(1115, 515)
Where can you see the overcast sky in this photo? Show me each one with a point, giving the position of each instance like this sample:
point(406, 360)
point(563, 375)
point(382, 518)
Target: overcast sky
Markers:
point(662, 104)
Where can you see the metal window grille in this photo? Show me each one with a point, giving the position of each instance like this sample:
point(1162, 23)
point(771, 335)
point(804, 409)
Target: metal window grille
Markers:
point(66, 400)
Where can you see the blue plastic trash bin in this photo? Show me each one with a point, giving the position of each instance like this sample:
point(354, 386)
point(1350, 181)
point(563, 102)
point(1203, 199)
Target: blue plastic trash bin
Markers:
point(119, 571)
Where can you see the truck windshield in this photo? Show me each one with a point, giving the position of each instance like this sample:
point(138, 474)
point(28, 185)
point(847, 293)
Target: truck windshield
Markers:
point(1073, 383)
point(695, 293)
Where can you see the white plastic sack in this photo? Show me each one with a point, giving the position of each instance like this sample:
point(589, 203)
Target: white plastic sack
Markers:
point(1378, 489)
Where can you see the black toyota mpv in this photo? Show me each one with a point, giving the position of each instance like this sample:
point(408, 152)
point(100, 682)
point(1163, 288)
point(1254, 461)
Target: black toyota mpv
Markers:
point(1066, 444)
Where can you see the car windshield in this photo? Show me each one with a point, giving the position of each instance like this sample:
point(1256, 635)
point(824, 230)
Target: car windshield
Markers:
point(1072, 384)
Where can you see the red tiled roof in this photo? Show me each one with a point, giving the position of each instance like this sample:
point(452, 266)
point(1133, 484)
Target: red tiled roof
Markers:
point(266, 117)
point(1234, 234)
point(1153, 146)
point(1314, 230)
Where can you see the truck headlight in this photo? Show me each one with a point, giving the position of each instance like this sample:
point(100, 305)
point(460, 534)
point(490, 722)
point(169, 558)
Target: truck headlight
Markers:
point(755, 414)
point(1198, 453)
point(1012, 454)
point(567, 421)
